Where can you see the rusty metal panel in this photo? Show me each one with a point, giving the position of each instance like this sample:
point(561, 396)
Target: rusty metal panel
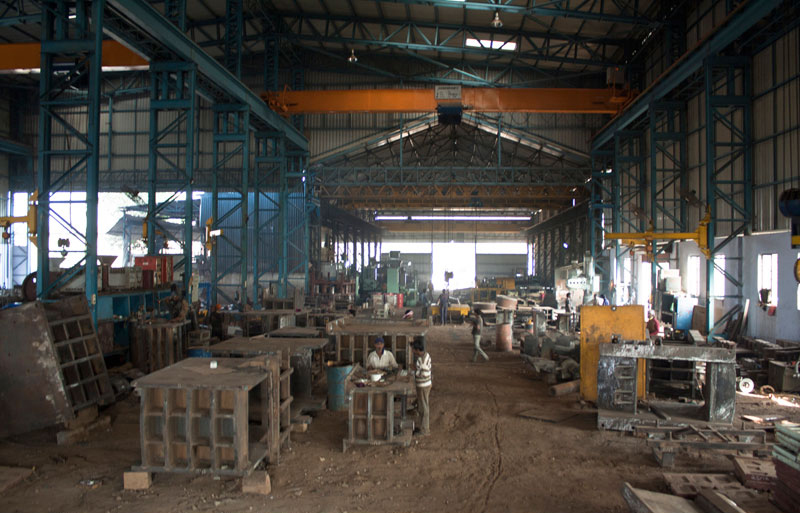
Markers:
point(32, 392)
point(598, 325)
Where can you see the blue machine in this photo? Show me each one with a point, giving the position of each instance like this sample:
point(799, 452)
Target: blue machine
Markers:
point(680, 308)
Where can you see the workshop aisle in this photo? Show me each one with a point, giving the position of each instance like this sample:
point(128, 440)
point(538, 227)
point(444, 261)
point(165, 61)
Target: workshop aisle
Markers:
point(480, 457)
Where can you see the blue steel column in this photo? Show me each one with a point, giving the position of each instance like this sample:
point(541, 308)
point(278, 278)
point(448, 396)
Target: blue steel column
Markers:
point(601, 199)
point(171, 160)
point(729, 172)
point(270, 161)
point(668, 126)
point(175, 11)
point(628, 179)
point(271, 56)
point(231, 138)
point(80, 40)
point(234, 28)
point(294, 214)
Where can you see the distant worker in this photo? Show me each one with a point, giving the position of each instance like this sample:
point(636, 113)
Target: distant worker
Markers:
point(653, 326)
point(444, 303)
point(596, 301)
point(180, 308)
point(424, 380)
point(568, 303)
point(477, 324)
point(408, 315)
point(380, 358)
point(603, 300)
point(177, 305)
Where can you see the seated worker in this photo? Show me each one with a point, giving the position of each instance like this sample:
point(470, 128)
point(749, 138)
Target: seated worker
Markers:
point(180, 308)
point(381, 359)
point(653, 326)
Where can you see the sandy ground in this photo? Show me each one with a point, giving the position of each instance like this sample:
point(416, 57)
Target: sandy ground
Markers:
point(481, 457)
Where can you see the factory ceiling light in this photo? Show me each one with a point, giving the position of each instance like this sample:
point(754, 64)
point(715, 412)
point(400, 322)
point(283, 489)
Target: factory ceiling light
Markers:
point(352, 59)
point(497, 22)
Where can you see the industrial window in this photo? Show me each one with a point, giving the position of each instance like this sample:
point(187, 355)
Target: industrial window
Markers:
point(768, 275)
point(693, 276)
point(509, 46)
point(719, 276)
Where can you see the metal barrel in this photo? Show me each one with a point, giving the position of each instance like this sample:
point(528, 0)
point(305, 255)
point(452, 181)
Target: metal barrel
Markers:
point(337, 376)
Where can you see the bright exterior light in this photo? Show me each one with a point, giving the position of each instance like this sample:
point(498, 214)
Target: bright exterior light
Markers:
point(452, 218)
point(508, 46)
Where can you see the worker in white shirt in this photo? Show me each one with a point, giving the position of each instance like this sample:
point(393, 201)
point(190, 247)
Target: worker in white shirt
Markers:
point(380, 358)
point(423, 379)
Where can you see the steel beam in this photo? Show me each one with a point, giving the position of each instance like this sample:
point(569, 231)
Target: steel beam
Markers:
point(551, 9)
point(135, 20)
point(474, 99)
point(14, 148)
point(745, 16)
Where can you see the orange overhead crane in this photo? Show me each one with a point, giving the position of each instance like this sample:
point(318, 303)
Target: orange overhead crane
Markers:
point(475, 99)
point(28, 56)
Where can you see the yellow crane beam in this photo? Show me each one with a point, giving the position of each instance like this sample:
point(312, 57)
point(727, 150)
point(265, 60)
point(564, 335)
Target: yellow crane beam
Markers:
point(647, 239)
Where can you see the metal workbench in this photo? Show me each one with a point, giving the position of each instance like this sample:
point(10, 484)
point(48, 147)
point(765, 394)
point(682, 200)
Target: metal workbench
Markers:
point(354, 340)
point(374, 417)
point(618, 388)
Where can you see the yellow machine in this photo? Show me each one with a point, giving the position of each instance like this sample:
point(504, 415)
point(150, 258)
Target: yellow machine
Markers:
point(29, 219)
point(489, 289)
point(455, 311)
point(598, 325)
point(648, 238)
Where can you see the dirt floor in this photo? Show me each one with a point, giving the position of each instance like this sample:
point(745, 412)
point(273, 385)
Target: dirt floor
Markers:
point(480, 457)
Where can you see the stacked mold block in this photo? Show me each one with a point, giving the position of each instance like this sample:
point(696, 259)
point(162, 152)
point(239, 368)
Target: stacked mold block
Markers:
point(51, 365)
point(221, 418)
point(158, 344)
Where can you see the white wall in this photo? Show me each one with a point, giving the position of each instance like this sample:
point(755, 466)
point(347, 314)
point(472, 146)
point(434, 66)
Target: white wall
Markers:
point(786, 322)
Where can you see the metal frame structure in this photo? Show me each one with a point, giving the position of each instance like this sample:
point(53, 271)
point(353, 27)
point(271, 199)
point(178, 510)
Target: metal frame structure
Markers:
point(231, 157)
point(729, 161)
point(668, 173)
point(725, 88)
point(173, 113)
point(61, 168)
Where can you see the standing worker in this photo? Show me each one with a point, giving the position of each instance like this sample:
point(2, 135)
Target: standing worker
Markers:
point(477, 324)
point(444, 303)
point(424, 381)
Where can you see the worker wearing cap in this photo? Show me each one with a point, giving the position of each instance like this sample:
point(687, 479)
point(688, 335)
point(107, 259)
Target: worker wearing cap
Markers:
point(380, 358)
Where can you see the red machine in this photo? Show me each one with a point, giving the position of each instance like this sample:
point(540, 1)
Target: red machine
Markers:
point(156, 269)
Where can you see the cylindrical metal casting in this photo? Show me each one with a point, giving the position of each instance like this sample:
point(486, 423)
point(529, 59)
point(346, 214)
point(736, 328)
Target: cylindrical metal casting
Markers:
point(503, 337)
